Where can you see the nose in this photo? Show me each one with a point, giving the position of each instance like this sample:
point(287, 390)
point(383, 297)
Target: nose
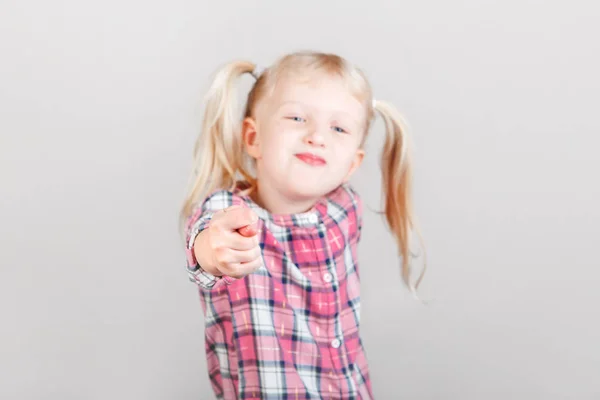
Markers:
point(315, 138)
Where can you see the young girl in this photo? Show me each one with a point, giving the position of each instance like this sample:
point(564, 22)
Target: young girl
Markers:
point(272, 226)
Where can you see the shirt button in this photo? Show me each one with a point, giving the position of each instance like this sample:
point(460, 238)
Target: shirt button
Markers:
point(327, 277)
point(335, 343)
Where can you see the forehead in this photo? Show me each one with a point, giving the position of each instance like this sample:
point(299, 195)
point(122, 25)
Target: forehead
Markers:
point(323, 92)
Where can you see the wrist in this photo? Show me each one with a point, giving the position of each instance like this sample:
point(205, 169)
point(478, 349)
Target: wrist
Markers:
point(203, 254)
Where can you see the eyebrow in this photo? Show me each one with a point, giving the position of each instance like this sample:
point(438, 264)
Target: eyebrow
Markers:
point(285, 103)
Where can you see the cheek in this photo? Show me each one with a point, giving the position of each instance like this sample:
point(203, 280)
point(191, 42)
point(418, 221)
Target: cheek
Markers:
point(272, 150)
point(277, 140)
point(346, 164)
point(348, 156)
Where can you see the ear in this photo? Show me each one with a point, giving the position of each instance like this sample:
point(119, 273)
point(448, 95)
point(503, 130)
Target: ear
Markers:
point(250, 137)
point(356, 162)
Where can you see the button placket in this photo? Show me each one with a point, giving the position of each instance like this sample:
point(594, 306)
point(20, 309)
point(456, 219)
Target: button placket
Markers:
point(336, 335)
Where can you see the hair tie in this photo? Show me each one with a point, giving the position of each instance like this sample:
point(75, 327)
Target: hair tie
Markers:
point(257, 72)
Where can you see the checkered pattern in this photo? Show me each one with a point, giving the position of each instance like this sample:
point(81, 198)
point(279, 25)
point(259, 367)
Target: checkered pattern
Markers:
point(291, 329)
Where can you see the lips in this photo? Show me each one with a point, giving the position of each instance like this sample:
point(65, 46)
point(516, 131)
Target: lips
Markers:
point(311, 159)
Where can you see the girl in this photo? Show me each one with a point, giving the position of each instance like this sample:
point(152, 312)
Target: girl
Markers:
point(272, 226)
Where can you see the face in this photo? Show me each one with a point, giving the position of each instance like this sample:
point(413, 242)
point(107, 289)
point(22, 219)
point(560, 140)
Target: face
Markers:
point(306, 137)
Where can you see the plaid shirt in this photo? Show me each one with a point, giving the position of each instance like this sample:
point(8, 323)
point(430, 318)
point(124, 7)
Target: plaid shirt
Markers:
point(290, 330)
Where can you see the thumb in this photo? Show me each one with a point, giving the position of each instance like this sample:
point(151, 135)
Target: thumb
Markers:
point(235, 218)
point(249, 230)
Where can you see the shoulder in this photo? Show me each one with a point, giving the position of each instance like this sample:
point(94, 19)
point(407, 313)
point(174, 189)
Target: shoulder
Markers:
point(344, 207)
point(216, 200)
point(354, 198)
point(346, 198)
point(221, 199)
point(205, 209)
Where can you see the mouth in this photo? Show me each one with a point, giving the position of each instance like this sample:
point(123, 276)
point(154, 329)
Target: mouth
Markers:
point(311, 159)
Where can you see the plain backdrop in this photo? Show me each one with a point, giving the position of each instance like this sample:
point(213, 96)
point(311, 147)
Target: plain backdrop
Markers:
point(101, 102)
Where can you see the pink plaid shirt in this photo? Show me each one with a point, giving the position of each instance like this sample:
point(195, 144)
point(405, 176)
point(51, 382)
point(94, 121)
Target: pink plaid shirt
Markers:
point(291, 329)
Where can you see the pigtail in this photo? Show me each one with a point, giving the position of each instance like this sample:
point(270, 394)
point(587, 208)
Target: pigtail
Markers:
point(396, 166)
point(218, 151)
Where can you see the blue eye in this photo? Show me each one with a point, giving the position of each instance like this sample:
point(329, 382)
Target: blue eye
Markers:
point(297, 119)
point(338, 129)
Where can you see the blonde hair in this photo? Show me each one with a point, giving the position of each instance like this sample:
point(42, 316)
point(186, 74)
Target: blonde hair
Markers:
point(220, 159)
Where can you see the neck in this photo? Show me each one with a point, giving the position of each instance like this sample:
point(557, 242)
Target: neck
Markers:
point(276, 202)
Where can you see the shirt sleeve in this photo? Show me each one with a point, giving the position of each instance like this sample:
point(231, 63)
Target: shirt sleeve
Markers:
point(199, 221)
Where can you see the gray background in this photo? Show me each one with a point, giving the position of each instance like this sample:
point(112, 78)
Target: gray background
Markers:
point(100, 103)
